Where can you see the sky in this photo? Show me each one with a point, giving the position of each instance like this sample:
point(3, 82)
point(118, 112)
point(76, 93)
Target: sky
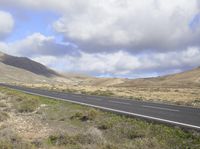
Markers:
point(104, 38)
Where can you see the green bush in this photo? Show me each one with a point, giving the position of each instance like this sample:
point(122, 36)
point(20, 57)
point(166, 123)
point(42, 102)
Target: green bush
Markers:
point(92, 114)
point(89, 115)
point(27, 105)
point(105, 125)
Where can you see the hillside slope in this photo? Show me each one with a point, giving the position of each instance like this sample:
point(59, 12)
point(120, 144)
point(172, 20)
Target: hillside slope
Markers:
point(185, 79)
point(14, 74)
point(23, 70)
point(27, 64)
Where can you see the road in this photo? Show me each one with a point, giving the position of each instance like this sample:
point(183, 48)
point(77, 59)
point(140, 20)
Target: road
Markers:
point(186, 117)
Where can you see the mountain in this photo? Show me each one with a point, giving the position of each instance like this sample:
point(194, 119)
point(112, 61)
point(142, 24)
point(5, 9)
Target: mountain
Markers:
point(185, 79)
point(23, 70)
point(13, 74)
point(27, 64)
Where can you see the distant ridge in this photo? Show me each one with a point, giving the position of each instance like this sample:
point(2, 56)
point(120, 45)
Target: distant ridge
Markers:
point(187, 79)
point(27, 64)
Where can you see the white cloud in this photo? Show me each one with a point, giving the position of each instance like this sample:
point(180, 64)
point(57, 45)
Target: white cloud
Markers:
point(38, 44)
point(131, 24)
point(122, 64)
point(119, 63)
point(115, 24)
point(6, 24)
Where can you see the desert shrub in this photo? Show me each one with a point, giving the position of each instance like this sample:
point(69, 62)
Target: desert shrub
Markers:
point(102, 93)
point(197, 101)
point(131, 134)
point(10, 140)
point(103, 125)
point(2, 104)
point(18, 99)
point(37, 143)
point(69, 90)
point(109, 146)
point(65, 139)
point(27, 105)
point(84, 138)
point(5, 144)
point(92, 114)
point(61, 139)
point(3, 116)
point(128, 132)
point(77, 115)
point(89, 115)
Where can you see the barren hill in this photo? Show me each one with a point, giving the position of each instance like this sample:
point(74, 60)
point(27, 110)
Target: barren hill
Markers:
point(27, 64)
point(13, 74)
point(23, 70)
point(185, 79)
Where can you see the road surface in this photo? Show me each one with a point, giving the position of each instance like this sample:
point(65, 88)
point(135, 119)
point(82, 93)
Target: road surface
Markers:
point(186, 117)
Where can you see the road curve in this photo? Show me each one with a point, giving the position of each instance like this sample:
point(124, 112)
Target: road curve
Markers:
point(186, 117)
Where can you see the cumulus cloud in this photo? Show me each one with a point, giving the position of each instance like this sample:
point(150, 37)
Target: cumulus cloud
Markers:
point(39, 44)
point(95, 64)
point(122, 64)
point(6, 24)
point(132, 25)
point(111, 25)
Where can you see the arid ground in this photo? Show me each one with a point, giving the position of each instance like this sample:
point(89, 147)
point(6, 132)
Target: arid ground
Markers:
point(28, 121)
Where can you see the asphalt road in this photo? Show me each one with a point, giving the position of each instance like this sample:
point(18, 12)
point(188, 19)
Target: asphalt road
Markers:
point(187, 117)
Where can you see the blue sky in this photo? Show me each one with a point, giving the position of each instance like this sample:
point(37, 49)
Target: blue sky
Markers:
point(31, 23)
point(110, 38)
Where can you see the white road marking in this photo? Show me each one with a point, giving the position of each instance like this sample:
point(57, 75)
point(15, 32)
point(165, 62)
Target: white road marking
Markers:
point(125, 103)
point(118, 111)
point(160, 108)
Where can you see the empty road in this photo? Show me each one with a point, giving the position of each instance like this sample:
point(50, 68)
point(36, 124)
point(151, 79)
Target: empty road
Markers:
point(187, 117)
